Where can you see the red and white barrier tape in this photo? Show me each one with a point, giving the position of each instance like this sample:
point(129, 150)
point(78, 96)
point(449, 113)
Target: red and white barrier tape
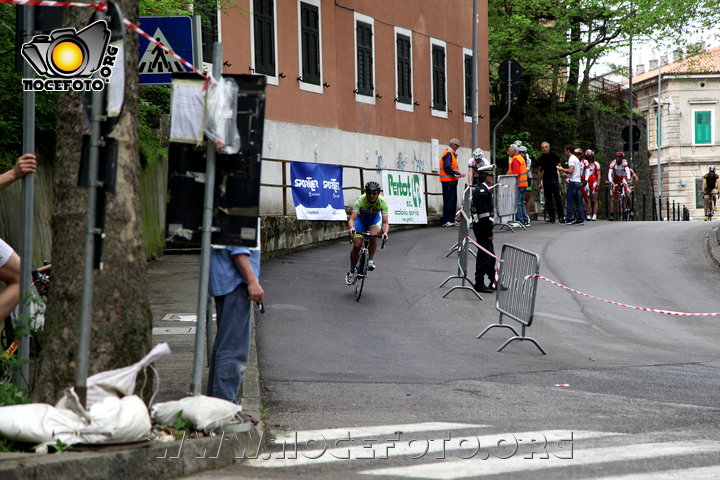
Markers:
point(644, 309)
point(102, 6)
point(468, 238)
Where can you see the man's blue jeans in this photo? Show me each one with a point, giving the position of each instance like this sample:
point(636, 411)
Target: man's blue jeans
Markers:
point(521, 215)
point(232, 344)
point(574, 198)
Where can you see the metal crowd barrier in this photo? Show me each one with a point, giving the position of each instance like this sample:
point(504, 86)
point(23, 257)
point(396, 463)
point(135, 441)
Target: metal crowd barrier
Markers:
point(506, 201)
point(462, 247)
point(515, 295)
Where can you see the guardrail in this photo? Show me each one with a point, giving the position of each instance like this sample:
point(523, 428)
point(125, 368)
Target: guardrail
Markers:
point(286, 186)
point(506, 200)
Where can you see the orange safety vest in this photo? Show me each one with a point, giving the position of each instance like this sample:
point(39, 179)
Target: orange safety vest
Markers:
point(444, 177)
point(520, 171)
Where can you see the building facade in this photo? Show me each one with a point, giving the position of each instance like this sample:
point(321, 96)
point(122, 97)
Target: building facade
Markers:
point(367, 84)
point(684, 132)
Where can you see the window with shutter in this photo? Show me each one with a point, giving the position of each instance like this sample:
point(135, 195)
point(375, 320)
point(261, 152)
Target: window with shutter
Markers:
point(310, 40)
point(438, 77)
point(703, 127)
point(404, 67)
point(264, 25)
point(364, 58)
point(468, 85)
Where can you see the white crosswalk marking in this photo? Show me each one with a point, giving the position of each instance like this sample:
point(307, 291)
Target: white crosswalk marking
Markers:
point(357, 432)
point(698, 473)
point(499, 466)
point(559, 441)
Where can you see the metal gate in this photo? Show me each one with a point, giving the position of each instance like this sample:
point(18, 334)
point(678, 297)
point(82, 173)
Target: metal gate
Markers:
point(515, 294)
point(506, 201)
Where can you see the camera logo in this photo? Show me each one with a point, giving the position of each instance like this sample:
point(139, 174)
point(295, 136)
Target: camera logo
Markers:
point(77, 61)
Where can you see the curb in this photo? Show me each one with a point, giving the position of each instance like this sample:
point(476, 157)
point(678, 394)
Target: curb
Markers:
point(152, 459)
point(712, 245)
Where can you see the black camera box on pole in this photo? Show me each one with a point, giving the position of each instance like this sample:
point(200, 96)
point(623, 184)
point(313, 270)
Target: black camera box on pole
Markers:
point(236, 203)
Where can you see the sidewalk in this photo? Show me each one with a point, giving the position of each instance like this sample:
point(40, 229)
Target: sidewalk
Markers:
point(173, 292)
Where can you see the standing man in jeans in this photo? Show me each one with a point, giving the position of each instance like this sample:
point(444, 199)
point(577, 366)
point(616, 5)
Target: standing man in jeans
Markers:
point(518, 167)
point(449, 174)
point(574, 189)
point(234, 274)
point(549, 162)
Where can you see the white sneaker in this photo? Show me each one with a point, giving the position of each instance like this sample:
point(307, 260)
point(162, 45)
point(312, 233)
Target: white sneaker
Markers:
point(594, 217)
point(371, 265)
point(448, 224)
point(350, 278)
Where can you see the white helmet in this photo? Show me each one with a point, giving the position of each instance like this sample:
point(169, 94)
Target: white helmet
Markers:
point(477, 154)
point(518, 142)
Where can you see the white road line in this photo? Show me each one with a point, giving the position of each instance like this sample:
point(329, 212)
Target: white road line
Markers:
point(498, 466)
point(173, 330)
point(557, 441)
point(356, 432)
point(698, 473)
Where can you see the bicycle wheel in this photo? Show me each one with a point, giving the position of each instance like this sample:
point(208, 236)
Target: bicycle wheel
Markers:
point(361, 273)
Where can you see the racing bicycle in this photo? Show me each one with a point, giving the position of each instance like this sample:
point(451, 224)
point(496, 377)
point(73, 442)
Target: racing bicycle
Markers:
point(622, 212)
point(361, 270)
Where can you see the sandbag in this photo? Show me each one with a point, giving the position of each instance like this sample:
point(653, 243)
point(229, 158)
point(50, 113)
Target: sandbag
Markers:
point(203, 413)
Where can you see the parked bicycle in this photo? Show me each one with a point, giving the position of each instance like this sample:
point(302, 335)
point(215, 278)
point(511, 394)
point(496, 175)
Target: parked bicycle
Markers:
point(361, 267)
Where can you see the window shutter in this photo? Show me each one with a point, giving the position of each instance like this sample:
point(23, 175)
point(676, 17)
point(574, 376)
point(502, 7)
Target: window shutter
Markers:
point(404, 86)
point(310, 35)
point(438, 62)
point(264, 24)
point(364, 58)
point(468, 85)
point(703, 131)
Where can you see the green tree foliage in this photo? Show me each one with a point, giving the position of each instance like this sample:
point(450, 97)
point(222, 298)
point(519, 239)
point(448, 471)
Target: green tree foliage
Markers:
point(11, 99)
point(557, 43)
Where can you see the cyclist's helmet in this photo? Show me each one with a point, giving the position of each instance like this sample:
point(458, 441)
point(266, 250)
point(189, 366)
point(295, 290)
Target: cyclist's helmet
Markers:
point(589, 153)
point(578, 152)
point(712, 168)
point(619, 155)
point(477, 154)
point(372, 186)
point(517, 143)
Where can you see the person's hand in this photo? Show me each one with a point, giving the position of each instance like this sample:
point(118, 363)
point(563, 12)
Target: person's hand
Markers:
point(385, 237)
point(463, 175)
point(255, 292)
point(27, 163)
point(351, 232)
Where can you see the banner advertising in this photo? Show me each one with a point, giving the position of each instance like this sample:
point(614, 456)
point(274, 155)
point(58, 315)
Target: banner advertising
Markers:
point(405, 195)
point(317, 191)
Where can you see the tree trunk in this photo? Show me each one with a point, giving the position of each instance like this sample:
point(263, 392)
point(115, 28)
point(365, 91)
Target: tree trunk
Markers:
point(121, 318)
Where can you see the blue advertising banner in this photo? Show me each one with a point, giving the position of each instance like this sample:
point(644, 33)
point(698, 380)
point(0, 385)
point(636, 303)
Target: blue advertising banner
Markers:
point(317, 191)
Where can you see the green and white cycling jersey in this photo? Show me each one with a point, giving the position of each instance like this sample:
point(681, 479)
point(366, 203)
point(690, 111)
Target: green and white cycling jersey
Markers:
point(370, 213)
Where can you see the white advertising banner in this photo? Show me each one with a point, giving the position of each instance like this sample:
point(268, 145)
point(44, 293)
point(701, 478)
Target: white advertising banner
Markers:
point(405, 194)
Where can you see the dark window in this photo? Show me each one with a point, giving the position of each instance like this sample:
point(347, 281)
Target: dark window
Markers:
point(468, 85)
point(404, 69)
point(438, 77)
point(310, 38)
point(364, 59)
point(264, 23)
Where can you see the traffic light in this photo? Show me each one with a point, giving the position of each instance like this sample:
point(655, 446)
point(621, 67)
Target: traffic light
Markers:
point(635, 137)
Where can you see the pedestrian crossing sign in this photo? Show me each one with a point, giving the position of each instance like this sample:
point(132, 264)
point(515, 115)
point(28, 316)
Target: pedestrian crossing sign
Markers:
point(155, 65)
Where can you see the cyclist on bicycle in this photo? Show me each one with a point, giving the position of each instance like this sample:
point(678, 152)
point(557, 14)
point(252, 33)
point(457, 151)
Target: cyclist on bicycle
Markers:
point(369, 214)
point(619, 177)
point(710, 190)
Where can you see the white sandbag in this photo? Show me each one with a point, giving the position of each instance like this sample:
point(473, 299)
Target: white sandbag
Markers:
point(126, 419)
point(43, 423)
point(203, 413)
point(120, 381)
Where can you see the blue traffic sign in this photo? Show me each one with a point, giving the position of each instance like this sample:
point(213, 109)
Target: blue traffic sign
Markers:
point(155, 65)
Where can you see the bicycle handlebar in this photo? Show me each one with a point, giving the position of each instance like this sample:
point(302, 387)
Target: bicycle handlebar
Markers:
point(373, 235)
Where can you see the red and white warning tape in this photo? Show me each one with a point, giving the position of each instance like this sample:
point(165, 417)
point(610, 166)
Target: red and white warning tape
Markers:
point(102, 6)
point(644, 309)
point(469, 239)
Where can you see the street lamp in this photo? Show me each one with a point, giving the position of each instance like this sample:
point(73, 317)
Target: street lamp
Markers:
point(658, 136)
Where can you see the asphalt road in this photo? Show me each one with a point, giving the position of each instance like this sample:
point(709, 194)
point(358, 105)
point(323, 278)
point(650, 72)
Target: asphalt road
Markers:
point(639, 392)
